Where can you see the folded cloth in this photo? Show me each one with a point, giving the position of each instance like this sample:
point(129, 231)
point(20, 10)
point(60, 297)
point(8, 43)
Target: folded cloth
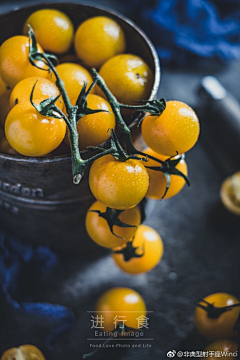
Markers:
point(14, 256)
point(186, 29)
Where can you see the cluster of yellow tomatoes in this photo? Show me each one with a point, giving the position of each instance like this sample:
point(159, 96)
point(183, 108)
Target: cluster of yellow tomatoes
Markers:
point(217, 317)
point(118, 185)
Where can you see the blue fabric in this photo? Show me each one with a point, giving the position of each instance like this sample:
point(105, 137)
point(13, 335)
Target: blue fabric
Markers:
point(186, 29)
point(14, 257)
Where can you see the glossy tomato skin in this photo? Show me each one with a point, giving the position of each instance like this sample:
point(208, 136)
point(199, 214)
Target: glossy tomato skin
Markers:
point(225, 346)
point(98, 39)
point(157, 180)
point(119, 185)
point(221, 327)
point(94, 129)
point(121, 302)
point(53, 30)
point(32, 134)
point(149, 241)
point(128, 77)
point(98, 229)
point(73, 76)
point(24, 352)
point(43, 90)
point(14, 61)
point(176, 130)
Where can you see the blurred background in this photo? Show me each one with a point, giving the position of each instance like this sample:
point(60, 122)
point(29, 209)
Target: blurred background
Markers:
point(194, 39)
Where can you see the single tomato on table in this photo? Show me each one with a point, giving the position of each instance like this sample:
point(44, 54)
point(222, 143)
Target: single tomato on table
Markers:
point(32, 134)
point(24, 352)
point(147, 243)
point(174, 132)
point(119, 306)
point(118, 184)
point(226, 347)
point(216, 316)
point(99, 231)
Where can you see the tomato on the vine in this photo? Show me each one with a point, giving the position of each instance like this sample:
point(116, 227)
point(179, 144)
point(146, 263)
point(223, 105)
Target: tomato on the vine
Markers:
point(14, 61)
point(118, 184)
point(99, 231)
point(176, 130)
point(214, 321)
point(44, 89)
point(32, 134)
point(53, 30)
point(128, 77)
point(73, 76)
point(158, 181)
point(98, 39)
point(227, 347)
point(93, 129)
point(147, 242)
point(24, 352)
point(121, 304)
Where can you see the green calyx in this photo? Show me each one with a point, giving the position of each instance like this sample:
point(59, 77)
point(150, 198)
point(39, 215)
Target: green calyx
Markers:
point(82, 107)
point(75, 113)
point(213, 311)
point(129, 251)
point(112, 218)
point(168, 168)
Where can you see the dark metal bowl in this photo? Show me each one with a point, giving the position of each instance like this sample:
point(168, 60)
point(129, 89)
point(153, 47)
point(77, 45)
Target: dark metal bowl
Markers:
point(38, 200)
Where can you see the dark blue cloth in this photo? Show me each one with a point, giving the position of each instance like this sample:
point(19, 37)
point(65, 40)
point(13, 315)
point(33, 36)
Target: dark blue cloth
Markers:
point(14, 257)
point(186, 29)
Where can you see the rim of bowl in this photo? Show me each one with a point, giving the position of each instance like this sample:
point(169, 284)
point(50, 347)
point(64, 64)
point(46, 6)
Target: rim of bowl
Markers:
point(156, 61)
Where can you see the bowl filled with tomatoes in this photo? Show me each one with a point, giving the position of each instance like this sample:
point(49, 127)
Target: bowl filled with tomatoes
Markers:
point(38, 199)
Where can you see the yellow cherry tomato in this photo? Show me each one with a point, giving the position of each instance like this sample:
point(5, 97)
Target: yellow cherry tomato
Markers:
point(120, 305)
point(14, 61)
point(119, 185)
point(176, 130)
point(150, 244)
point(4, 106)
point(32, 134)
point(226, 347)
point(98, 39)
point(219, 327)
point(43, 90)
point(24, 352)
point(93, 129)
point(128, 77)
point(3, 87)
point(6, 148)
point(53, 30)
point(73, 76)
point(157, 180)
point(99, 231)
point(230, 193)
